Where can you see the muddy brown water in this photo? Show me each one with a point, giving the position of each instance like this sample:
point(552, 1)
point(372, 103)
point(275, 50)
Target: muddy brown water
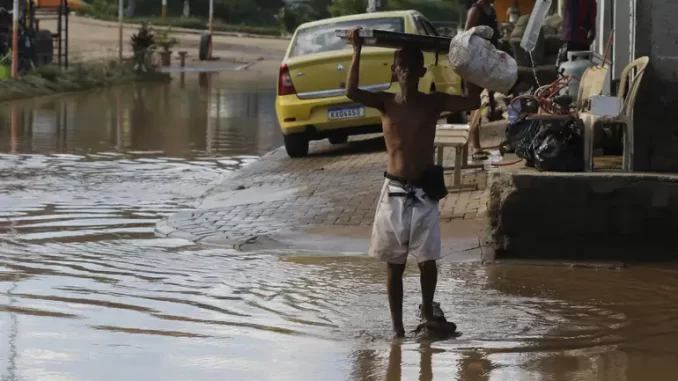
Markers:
point(87, 292)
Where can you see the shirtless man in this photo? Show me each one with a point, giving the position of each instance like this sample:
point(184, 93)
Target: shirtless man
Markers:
point(407, 219)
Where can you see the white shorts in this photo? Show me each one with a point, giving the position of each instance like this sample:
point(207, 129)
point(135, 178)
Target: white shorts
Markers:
point(406, 222)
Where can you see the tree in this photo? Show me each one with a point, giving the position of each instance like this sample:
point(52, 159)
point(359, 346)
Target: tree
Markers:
point(347, 7)
point(447, 10)
point(321, 8)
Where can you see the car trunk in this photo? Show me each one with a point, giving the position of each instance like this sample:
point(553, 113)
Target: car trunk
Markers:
point(328, 70)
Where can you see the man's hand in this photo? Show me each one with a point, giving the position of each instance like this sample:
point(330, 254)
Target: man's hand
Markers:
point(353, 91)
point(355, 39)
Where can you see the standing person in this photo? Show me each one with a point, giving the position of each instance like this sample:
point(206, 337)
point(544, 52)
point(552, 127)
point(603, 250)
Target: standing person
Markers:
point(579, 27)
point(407, 220)
point(482, 13)
point(513, 13)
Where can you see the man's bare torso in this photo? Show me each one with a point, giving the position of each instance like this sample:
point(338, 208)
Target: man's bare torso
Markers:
point(409, 130)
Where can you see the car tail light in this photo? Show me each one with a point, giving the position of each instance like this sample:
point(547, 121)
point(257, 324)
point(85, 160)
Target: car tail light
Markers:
point(285, 85)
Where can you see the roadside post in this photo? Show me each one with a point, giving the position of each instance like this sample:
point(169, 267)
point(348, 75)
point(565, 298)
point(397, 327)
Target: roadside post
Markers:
point(164, 11)
point(211, 17)
point(15, 39)
point(120, 15)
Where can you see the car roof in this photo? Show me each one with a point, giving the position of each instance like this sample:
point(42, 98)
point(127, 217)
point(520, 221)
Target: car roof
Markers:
point(359, 16)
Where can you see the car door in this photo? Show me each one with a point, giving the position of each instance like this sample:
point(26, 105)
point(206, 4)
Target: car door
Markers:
point(445, 79)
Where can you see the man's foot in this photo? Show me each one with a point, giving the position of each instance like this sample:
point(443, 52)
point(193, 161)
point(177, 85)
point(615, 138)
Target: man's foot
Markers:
point(479, 155)
point(399, 331)
point(437, 313)
point(435, 327)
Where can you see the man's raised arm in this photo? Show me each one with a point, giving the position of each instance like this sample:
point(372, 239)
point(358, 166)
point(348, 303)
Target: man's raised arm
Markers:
point(353, 90)
point(457, 103)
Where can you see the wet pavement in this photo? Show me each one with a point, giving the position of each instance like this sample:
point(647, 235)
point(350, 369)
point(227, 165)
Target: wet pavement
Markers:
point(88, 292)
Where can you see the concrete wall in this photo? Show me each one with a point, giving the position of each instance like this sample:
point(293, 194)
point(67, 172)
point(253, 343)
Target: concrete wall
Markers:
point(656, 132)
point(582, 215)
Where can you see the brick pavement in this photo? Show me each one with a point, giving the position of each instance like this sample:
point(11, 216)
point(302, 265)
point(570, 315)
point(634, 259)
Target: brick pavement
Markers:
point(334, 185)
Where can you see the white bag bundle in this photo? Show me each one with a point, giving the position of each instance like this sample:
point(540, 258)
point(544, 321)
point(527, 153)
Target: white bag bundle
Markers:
point(475, 59)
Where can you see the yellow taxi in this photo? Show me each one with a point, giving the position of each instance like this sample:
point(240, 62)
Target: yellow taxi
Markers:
point(311, 102)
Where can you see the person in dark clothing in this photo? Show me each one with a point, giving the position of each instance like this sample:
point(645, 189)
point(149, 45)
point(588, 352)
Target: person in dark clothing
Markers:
point(482, 12)
point(579, 27)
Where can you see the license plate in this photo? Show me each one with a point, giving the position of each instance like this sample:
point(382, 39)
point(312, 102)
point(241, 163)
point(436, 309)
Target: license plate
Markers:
point(346, 112)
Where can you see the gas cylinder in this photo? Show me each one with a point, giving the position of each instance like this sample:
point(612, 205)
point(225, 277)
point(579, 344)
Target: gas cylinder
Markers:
point(576, 65)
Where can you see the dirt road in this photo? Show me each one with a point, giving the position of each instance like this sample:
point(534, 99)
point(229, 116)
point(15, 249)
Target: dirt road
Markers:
point(96, 39)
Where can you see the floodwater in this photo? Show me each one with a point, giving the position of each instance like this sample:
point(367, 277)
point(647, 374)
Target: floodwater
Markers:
point(87, 292)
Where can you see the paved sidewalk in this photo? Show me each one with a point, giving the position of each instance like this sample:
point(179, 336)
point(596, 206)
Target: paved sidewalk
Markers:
point(333, 186)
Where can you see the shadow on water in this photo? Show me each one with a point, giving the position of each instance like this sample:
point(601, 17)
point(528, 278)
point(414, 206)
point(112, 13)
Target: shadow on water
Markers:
point(88, 292)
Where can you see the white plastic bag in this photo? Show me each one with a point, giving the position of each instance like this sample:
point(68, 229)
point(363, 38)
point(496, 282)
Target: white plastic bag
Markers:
point(475, 59)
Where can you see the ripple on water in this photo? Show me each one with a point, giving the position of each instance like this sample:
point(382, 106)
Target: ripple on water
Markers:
point(84, 279)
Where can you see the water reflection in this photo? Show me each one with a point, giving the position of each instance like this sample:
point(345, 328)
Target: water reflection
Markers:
point(206, 116)
point(88, 292)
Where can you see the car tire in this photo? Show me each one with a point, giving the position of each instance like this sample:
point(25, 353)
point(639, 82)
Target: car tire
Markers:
point(338, 139)
point(296, 145)
point(204, 46)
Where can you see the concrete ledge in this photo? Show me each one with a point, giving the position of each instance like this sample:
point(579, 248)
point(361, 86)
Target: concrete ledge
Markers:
point(581, 215)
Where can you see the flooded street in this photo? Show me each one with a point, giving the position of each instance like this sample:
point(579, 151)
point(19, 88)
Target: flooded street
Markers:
point(88, 292)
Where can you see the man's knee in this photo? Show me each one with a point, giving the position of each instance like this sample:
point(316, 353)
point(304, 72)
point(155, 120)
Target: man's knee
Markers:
point(428, 266)
point(396, 269)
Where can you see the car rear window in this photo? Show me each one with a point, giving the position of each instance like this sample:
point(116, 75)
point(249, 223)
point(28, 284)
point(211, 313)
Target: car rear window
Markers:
point(323, 38)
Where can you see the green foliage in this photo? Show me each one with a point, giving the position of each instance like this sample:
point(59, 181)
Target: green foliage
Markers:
point(434, 11)
point(143, 39)
point(100, 8)
point(48, 72)
point(265, 17)
point(166, 40)
point(143, 45)
point(290, 17)
point(347, 7)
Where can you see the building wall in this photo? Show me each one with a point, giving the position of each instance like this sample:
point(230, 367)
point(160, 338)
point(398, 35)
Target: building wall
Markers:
point(656, 124)
point(502, 6)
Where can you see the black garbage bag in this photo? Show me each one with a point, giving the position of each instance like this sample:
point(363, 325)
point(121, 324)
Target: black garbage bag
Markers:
point(518, 136)
point(559, 146)
point(524, 137)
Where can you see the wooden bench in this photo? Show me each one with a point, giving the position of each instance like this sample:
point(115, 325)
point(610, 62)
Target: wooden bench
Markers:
point(454, 136)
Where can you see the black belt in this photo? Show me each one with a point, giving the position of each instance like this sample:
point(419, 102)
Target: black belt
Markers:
point(403, 181)
point(408, 185)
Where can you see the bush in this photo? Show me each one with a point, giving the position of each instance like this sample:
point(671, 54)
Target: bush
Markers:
point(434, 11)
point(290, 17)
point(347, 7)
point(199, 24)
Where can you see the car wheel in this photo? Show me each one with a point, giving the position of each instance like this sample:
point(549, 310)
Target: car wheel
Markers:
point(338, 139)
point(457, 118)
point(296, 145)
point(204, 47)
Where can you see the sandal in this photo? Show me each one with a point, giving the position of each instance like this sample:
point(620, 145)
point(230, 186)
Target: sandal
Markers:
point(480, 155)
point(438, 327)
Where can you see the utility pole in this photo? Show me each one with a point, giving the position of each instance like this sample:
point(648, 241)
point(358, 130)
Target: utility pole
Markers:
point(15, 38)
point(377, 5)
point(211, 21)
point(121, 12)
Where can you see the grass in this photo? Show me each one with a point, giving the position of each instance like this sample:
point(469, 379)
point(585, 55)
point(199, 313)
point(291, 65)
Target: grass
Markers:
point(197, 24)
point(50, 79)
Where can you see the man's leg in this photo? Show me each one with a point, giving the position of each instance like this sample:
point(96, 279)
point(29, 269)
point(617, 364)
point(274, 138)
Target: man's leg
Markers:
point(474, 136)
point(493, 106)
point(429, 280)
point(394, 286)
